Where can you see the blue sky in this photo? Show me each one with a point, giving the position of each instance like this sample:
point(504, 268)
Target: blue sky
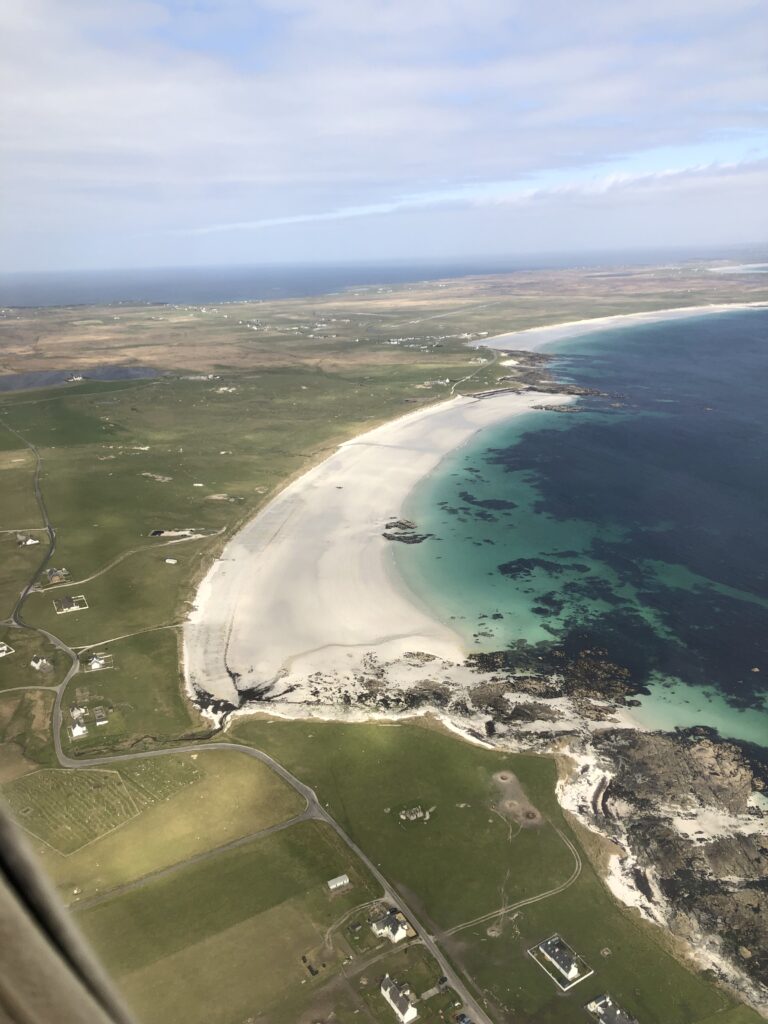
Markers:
point(142, 133)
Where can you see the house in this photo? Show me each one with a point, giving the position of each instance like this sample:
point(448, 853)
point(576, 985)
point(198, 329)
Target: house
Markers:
point(66, 604)
point(78, 729)
point(604, 1009)
point(392, 926)
point(398, 998)
point(5, 649)
point(340, 882)
point(100, 716)
point(77, 712)
point(25, 541)
point(40, 664)
point(57, 575)
point(561, 956)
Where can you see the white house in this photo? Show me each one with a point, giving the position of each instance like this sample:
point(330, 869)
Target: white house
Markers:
point(5, 649)
point(392, 926)
point(39, 663)
point(337, 883)
point(78, 730)
point(561, 956)
point(398, 998)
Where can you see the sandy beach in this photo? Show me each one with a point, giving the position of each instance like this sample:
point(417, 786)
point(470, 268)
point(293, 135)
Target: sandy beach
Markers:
point(534, 339)
point(309, 585)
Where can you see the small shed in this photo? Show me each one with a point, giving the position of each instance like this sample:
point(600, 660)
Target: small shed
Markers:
point(340, 882)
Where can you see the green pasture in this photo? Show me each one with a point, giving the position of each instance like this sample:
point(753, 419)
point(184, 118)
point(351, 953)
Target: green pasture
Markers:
point(467, 864)
point(187, 804)
point(67, 810)
point(366, 773)
point(17, 566)
point(246, 915)
point(26, 737)
point(142, 693)
point(16, 670)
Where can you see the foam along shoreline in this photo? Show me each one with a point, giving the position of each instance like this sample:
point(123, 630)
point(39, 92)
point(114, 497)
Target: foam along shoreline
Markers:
point(535, 339)
point(309, 585)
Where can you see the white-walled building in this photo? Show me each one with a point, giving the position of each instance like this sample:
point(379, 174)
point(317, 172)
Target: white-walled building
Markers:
point(398, 998)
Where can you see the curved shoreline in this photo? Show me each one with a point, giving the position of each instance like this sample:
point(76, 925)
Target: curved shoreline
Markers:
point(308, 584)
point(534, 339)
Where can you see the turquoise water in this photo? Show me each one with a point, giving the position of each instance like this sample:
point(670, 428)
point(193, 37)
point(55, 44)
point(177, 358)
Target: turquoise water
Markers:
point(636, 527)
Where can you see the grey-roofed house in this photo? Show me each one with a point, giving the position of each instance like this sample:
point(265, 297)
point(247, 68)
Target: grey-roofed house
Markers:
point(561, 956)
point(398, 998)
point(391, 926)
point(604, 1009)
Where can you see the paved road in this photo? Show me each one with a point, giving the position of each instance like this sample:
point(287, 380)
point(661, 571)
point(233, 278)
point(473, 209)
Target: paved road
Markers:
point(314, 807)
point(315, 810)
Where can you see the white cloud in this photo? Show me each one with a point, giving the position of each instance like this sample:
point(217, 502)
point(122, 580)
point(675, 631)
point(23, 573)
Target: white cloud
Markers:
point(147, 118)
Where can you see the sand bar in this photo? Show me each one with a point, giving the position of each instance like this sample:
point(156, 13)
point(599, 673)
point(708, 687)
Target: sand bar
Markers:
point(310, 582)
point(536, 338)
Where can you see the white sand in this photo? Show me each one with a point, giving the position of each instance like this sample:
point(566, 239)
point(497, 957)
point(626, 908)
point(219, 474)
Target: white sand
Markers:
point(310, 584)
point(536, 338)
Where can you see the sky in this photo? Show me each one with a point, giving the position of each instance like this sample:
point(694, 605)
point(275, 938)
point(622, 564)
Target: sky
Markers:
point(214, 132)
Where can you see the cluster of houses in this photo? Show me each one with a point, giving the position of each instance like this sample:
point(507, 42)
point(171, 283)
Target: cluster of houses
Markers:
point(79, 727)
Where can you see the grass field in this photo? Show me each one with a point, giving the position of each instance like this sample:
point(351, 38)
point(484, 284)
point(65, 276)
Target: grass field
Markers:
point(142, 694)
point(467, 865)
point(67, 810)
point(16, 670)
point(187, 804)
point(218, 942)
point(25, 732)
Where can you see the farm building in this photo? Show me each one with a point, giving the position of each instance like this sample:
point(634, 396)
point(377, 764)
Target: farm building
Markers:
point(5, 649)
point(603, 1008)
point(340, 882)
point(398, 998)
point(391, 926)
point(100, 716)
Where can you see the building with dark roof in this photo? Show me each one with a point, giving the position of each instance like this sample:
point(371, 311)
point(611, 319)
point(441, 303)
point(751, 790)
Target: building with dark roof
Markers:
point(561, 956)
point(398, 998)
point(604, 1009)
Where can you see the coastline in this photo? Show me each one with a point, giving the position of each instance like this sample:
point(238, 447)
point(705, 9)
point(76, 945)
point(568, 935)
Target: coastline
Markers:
point(536, 339)
point(304, 616)
point(309, 585)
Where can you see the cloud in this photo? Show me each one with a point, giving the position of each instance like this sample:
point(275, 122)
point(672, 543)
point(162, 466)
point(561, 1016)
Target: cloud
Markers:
point(144, 118)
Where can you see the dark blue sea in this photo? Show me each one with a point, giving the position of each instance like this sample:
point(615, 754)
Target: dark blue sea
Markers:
point(637, 527)
point(195, 285)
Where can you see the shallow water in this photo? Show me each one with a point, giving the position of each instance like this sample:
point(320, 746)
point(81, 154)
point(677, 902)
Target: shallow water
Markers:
point(636, 526)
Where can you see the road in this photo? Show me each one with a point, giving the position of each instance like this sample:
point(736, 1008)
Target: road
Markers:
point(314, 810)
point(314, 807)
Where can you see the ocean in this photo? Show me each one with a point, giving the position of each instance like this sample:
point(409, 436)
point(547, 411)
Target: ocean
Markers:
point(636, 527)
point(196, 285)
